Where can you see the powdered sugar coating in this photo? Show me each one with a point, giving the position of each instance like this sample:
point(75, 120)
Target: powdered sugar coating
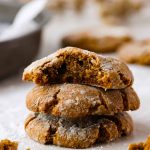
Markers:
point(78, 133)
point(75, 100)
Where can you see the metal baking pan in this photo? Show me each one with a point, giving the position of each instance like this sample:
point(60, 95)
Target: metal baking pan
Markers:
point(19, 52)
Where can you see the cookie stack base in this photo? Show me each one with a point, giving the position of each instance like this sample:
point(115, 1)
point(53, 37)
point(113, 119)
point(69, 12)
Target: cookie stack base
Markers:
point(77, 133)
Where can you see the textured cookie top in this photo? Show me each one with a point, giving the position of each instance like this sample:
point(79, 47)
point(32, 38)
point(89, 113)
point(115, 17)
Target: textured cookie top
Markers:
point(75, 65)
point(136, 52)
point(80, 133)
point(74, 100)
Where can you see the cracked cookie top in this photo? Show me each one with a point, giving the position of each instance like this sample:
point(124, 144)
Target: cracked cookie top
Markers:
point(75, 100)
point(74, 65)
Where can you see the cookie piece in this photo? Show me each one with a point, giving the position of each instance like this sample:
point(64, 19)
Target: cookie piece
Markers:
point(136, 52)
point(80, 133)
point(75, 100)
point(74, 65)
point(101, 41)
point(8, 145)
point(140, 146)
point(116, 11)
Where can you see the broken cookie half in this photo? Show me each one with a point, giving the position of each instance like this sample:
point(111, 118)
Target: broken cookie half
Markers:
point(74, 65)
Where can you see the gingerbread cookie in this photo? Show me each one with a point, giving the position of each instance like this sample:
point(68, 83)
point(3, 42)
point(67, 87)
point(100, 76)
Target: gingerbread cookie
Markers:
point(80, 133)
point(74, 65)
point(115, 11)
point(136, 52)
point(101, 41)
point(74, 100)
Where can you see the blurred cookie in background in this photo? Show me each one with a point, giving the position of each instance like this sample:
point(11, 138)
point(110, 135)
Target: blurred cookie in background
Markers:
point(115, 11)
point(62, 5)
point(137, 52)
point(102, 40)
point(57, 5)
point(79, 4)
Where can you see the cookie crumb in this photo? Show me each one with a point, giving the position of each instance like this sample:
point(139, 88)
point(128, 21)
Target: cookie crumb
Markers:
point(141, 145)
point(8, 145)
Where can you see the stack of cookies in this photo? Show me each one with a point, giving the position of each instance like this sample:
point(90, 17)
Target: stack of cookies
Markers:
point(79, 99)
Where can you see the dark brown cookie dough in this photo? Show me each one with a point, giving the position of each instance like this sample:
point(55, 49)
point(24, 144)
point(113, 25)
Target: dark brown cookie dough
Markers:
point(74, 65)
point(80, 133)
point(136, 52)
point(96, 41)
point(74, 100)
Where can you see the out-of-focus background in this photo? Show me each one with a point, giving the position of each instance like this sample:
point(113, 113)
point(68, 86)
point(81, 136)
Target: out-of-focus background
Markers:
point(102, 26)
point(49, 30)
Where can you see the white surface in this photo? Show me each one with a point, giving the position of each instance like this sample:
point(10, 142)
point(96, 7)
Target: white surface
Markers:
point(13, 92)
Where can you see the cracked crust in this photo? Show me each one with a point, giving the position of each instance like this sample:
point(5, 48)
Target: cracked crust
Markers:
point(74, 100)
point(80, 133)
point(136, 52)
point(74, 65)
point(97, 41)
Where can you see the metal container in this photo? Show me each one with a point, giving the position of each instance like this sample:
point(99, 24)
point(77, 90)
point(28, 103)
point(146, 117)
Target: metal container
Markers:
point(19, 52)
